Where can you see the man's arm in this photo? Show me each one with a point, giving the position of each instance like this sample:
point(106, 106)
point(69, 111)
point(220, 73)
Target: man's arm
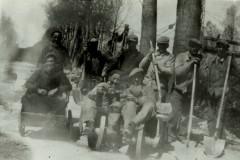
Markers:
point(168, 67)
point(182, 68)
point(31, 82)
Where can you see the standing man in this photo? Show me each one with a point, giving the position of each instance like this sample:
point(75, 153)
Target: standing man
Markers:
point(130, 58)
point(165, 63)
point(181, 94)
point(63, 60)
point(214, 71)
point(94, 62)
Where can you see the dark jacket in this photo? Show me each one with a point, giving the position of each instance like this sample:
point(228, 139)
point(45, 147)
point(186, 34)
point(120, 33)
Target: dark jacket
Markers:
point(48, 81)
point(63, 59)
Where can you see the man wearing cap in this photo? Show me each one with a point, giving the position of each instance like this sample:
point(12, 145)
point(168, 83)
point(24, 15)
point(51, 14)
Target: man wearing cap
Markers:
point(165, 63)
point(181, 94)
point(130, 58)
point(214, 71)
point(138, 103)
point(56, 47)
point(46, 89)
point(94, 62)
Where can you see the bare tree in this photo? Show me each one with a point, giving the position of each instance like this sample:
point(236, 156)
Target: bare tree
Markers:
point(211, 30)
point(80, 20)
point(231, 23)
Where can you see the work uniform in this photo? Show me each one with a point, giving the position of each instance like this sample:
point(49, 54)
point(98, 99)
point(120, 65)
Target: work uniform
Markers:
point(41, 79)
point(214, 70)
point(166, 59)
point(181, 94)
point(163, 58)
point(129, 59)
point(63, 60)
point(138, 103)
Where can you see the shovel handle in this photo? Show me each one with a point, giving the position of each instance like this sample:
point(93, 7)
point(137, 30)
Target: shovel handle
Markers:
point(191, 106)
point(222, 98)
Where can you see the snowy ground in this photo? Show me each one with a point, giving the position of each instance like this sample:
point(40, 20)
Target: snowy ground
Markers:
point(53, 143)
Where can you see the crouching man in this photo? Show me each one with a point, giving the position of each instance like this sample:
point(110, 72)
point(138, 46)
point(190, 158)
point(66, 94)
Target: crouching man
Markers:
point(46, 89)
point(103, 100)
point(139, 104)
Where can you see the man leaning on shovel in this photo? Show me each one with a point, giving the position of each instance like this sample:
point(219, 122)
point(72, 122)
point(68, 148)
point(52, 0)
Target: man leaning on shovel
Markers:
point(182, 91)
point(214, 74)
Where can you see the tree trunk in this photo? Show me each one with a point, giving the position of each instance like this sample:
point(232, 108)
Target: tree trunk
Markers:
point(188, 24)
point(149, 25)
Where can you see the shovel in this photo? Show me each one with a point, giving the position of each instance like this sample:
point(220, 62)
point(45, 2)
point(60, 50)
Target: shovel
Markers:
point(184, 152)
point(76, 93)
point(162, 108)
point(213, 146)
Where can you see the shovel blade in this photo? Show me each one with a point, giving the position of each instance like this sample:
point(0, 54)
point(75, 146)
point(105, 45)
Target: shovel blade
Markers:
point(213, 147)
point(164, 108)
point(76, 93)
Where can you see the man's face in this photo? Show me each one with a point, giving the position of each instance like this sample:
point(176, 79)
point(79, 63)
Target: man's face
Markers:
point(221, 50)
point(162, 46)
point(137, 79)
point(56, 38)
point(50, 63)
point(194, 49)
point(114, 79)
point(132, 44)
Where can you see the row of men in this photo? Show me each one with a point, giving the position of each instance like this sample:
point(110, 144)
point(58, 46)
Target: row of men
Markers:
point(211, 73)
point(140, 104)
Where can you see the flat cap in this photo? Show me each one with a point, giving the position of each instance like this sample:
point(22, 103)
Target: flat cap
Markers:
point(132, 37)
point(223, 42)
point(163, 39)
point(135, 71)
point(195, 41)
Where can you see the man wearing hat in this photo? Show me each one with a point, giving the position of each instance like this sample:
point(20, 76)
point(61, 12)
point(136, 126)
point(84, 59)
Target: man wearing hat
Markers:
point(56, 47)
point(165, 63)
point(214, 72)
point(138, 103)
point(130, 58)
point(181, 94)
point(94, 62)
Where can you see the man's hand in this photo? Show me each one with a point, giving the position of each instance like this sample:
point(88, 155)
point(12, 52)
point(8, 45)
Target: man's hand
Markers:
point(195, 60)
point(52, 92)
point(42, 91)
point(159, 65)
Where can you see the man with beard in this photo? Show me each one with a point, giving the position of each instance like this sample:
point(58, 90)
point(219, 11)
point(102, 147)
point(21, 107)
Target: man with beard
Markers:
point(46, 89)
point(62, 58)
point(214, 71)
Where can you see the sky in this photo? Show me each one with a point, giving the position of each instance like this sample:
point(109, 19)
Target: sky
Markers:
point(29, 16)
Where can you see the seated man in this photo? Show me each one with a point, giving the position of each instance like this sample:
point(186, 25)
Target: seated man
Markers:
point(45, 89)
point(103, 100)
point(138, 98)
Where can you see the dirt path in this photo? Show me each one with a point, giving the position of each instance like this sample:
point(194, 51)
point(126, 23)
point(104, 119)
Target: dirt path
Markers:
point(54, 144)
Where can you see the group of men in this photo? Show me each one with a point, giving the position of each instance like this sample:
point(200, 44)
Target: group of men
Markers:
point(130, 89)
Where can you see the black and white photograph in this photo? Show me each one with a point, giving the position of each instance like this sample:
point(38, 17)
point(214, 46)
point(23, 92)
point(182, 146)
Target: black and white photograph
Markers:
point(119, 79)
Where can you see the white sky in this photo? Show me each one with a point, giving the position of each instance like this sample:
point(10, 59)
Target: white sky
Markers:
point(29, 16)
